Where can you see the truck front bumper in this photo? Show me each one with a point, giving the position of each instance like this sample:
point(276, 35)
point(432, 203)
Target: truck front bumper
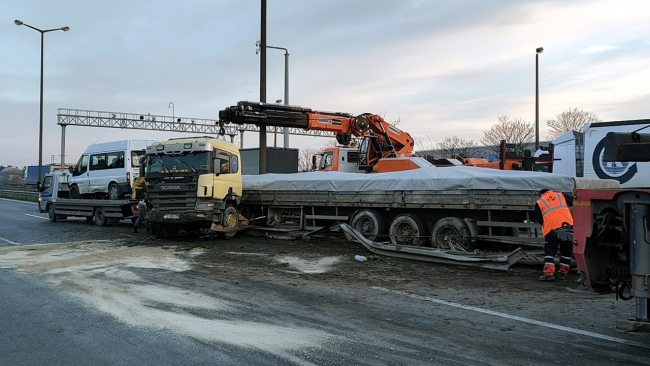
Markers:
point(174, 217)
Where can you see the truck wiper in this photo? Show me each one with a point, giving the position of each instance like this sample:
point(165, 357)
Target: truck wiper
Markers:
point(165, 166)
point(191, 167)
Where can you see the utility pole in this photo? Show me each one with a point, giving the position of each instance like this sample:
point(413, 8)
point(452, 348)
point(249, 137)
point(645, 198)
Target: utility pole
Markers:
point(262, 168)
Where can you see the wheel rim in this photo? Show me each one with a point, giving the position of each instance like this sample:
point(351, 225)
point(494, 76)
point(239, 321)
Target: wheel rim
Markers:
point(366, 227)
point(447, 236)
point(368, 223)
point(404, 234)
point(407, 230)
point(230, 219)
point(113, 192)
point(100, 220)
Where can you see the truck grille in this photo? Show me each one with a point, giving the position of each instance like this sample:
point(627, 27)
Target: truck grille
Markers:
point(172, 196)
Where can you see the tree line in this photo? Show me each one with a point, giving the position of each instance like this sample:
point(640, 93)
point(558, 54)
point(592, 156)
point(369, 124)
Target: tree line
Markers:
point(514, 130)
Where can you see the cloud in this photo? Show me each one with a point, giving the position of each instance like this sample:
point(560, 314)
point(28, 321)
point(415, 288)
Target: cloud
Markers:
point(597, 49)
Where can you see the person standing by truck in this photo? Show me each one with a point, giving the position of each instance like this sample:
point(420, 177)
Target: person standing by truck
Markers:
point(143, 207)
point(552, 212)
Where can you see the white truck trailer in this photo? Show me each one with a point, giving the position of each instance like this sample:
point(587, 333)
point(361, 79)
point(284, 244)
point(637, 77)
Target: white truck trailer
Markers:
point(580, 154)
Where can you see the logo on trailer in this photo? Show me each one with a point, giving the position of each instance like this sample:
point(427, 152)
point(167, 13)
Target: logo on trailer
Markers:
point(621, 171)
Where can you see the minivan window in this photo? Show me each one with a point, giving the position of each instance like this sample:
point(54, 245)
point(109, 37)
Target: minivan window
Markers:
point(82, 165)
point(112, 160)
point(135, 157)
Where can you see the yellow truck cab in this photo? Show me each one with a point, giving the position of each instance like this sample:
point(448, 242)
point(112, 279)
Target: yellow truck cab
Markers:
point(192, 183)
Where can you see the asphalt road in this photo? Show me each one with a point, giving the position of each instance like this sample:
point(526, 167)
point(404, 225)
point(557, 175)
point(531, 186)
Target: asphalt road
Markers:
point(74, 293)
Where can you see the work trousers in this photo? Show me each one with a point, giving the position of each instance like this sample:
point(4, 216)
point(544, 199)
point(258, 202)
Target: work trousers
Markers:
point(551, 244)
point(141, 215)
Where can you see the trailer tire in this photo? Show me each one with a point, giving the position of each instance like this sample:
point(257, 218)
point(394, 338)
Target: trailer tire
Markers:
point(51, 213)
point(451, 230)
point(369, 223)
point(230, 218)
point(74, 192)
point(407, 229)
point(114, 192)
point(100, 217)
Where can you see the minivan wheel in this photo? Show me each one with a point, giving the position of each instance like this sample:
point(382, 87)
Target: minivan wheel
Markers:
point(114, 191)
point(74, 192)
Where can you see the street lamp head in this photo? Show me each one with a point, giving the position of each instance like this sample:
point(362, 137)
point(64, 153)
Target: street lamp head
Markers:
point(65, 29)
point(18, 22)
point(540, 50)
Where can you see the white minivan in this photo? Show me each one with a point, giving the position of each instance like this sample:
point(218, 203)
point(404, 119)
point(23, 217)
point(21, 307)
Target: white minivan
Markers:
point(107, 169)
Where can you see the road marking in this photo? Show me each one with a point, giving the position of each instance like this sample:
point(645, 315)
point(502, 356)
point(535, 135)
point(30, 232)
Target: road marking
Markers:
point(8, 241)
point(38, 217)
point(518, 318)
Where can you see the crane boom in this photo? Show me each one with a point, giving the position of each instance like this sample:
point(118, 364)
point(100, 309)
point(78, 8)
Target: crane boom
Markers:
point(381, 140)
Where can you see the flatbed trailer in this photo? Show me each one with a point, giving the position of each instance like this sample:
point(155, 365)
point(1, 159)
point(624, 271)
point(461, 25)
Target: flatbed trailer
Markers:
point(54, 200)
point(454, 208)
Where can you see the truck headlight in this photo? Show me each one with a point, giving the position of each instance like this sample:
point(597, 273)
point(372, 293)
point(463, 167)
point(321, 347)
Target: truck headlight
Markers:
point(204, 206)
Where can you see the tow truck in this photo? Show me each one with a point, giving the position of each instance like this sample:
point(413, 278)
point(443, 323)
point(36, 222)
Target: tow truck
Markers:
point(53, 198)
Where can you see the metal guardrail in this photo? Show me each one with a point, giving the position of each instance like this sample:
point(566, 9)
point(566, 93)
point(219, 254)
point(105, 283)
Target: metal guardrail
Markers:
point(18, 194)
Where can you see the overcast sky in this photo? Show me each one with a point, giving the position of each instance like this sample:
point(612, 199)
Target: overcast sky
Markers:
point(443, 68)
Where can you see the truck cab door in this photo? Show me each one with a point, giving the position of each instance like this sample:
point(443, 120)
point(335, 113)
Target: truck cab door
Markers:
point(46, 190)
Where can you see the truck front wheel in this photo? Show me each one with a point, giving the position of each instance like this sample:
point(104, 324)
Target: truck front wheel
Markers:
point(51, 213)
point(230, 220)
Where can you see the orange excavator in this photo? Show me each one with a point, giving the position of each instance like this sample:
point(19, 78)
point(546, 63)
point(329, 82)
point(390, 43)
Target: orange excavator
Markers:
point(383, 148)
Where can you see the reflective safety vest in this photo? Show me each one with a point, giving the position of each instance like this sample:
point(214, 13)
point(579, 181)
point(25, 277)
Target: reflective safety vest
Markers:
point(554, 211)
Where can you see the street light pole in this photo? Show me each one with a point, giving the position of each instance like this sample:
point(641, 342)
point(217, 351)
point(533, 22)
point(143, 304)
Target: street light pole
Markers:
point(286, 83)
point(286, 88)
point(171, 105)
point(538, 51)
point(40, 134)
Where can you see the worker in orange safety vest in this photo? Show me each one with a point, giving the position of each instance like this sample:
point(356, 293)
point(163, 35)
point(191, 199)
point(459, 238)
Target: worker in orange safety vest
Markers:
point(552, 212)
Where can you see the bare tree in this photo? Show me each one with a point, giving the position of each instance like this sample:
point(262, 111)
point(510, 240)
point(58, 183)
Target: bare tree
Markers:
point(573, 119)
point(305, 158)
point(455, 145)
point(423, 144)
point(514, 131)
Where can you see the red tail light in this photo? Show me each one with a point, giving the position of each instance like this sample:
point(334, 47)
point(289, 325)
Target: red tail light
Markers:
point(128, 177)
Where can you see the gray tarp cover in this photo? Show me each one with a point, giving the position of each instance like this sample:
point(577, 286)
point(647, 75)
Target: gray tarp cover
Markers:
point(456, 178)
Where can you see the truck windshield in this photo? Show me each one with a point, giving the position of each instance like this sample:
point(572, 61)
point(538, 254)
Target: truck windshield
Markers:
point(326, 160)
point(195, 162)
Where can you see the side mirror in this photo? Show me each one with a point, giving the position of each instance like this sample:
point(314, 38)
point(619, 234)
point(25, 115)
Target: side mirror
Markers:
point(71, 169)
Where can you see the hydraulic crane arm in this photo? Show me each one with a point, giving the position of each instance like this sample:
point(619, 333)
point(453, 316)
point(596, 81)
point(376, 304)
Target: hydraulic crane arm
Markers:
point(381, 139)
